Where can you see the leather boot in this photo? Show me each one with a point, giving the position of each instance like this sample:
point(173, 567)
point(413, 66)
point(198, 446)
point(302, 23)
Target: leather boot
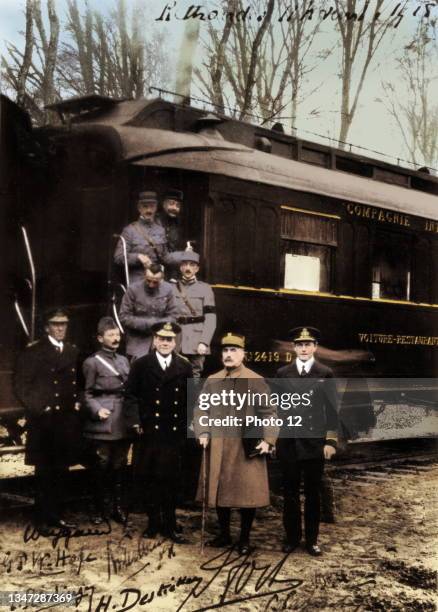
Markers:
point(118, 514)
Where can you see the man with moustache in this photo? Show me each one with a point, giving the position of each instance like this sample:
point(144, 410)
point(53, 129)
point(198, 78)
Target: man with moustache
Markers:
point(302, 457)
point(46, 380)
point(145, 238)
point(170, 218)
point(234, 480)
point(145, 304)
point(196, 312)
point(105, 375)
point(156, 410)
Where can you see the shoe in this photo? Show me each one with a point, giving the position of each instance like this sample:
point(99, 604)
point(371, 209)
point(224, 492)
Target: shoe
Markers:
point(314, 550)
point(119, 516)
point(245, 548)
point(289, 547)
point(178, 528)
point(151, 532)
point(175, 537)
point(220, 541)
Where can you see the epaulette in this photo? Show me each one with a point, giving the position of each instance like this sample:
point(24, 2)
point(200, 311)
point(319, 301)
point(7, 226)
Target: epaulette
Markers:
point(183, 357)
point(32, 343)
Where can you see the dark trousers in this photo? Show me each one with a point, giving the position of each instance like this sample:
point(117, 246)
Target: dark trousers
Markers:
point(246, 520)
point(157, 473)
point(294, 471)
point(49, 485)
point(108, 459)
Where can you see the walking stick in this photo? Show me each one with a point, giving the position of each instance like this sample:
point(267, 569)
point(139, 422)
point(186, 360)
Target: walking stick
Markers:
point(204, 496)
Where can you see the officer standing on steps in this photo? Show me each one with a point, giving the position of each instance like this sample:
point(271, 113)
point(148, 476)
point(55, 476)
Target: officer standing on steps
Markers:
point(302, 457)
point(105, 375)
point(170, 219)
point(46, 382)
point(145, 239)
point(144, 304)
point(156, 409)
point(196, 312)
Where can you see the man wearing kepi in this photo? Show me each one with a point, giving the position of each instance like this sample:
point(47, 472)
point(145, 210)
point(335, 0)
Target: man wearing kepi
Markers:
point(235, 478)
point(196, 312)
point(155, 407)
point(145, 239)
point(145, 304)
point(303, 449)
point(105, 375)
point(46, 383)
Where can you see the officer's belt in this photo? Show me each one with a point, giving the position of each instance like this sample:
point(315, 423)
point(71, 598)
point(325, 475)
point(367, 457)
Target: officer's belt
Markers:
point(115, 393)
point(188, 320)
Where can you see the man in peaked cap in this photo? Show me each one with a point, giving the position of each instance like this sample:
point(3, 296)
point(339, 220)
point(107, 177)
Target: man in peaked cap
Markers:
point(234, 480)
point(196, 311)
point(303, 457)
point(105, 375)
point(170, 218)
point(156, 409)
point(145, 238)
point(46, 382)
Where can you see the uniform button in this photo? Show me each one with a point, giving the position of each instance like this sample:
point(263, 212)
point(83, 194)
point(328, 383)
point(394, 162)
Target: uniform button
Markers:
point(75, 394)
point(176, 416)
point(56, 407)
point(174, 428)
point(74, 382)
point(157, 427)
point(176, 389)
point(175, 402)
point(56, 382)
point(157, 401)
point(157, 388)
point(73, 369)
point(56, 394)
point(157, 414)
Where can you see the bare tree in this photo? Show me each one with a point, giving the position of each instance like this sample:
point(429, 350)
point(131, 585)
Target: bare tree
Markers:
point(357, 32)
point(409, 98)
point(260, 68)
point(106, 54)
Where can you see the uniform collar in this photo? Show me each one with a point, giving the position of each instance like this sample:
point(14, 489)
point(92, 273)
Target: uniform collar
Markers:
point(54, 342)
point(235, 373)
point(164, 361)
point(307, 364)
point(146, 222)
point(107, 353)
point(192, 281)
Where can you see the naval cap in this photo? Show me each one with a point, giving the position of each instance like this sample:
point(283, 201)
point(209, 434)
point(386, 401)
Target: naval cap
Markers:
point(174, 194)
point(305, 334)
point(167, 329)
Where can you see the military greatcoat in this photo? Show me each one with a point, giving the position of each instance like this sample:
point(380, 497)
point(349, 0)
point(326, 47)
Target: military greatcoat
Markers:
point(46, 382)
point(140, 309)
point(143, 238)
point(234, 480)
point(196, 314)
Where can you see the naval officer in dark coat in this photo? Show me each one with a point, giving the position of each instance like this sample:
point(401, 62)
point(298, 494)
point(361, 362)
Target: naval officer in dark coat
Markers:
point(302, 457)
point(105, 375)
point(156, 409)
point(46, 382)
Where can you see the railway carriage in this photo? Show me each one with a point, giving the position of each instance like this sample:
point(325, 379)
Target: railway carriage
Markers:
point(290, 232)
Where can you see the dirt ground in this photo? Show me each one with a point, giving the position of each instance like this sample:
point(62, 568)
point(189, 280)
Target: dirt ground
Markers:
point(381, 554)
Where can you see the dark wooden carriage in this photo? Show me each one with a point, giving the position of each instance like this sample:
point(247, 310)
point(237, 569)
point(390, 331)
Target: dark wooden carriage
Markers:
point(290, 232)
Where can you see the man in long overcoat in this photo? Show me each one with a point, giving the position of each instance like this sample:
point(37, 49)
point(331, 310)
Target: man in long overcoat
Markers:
point(46, 382)
point(156, 409)
point(302, 450)
point(233, 479)
point(105, 374)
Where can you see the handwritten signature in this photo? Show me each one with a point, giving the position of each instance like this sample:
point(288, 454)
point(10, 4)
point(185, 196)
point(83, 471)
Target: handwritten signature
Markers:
point(56, 534)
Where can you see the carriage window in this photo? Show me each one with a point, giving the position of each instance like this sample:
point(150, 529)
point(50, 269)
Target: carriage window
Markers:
point(391, 267)
point(308, 246)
